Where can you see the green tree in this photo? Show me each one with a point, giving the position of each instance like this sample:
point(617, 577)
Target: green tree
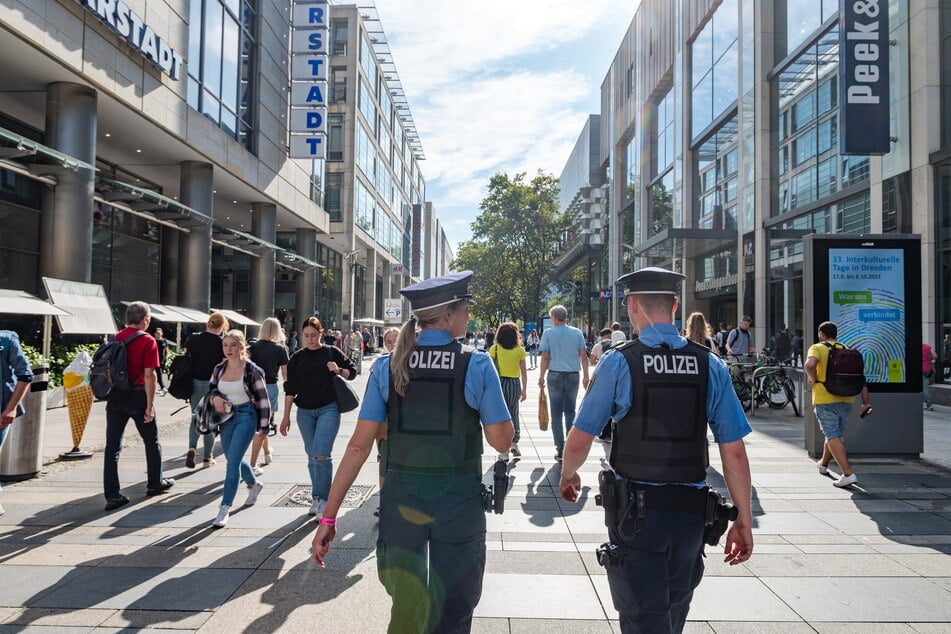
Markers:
point(514, 240)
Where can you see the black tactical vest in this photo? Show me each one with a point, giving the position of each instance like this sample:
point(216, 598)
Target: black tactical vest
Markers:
point(432, 429)
point(663, 438)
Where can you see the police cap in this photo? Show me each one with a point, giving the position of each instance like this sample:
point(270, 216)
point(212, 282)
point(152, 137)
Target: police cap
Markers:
point(651, 280)
point(437, 291)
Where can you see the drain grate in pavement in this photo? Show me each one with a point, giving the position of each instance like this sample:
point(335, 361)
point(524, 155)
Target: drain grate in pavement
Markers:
point(299, 495)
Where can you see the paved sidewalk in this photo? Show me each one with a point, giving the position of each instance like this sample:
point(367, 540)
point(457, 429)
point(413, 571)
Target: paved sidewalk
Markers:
point(871, 559)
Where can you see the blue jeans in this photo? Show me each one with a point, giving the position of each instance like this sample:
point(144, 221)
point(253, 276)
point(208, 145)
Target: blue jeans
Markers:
point(562, 395)
point(272, 394)
point(318, 429)
point(832, 418)
point(925, 390)
point(119, 409)
point(236, 436)
point(533, 355)
point(199, 389)
point(3, 436)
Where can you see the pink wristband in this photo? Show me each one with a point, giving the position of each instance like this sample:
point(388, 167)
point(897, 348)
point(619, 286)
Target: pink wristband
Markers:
point(329, 521)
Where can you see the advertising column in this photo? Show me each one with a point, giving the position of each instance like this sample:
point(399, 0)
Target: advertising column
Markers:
point(868, 286)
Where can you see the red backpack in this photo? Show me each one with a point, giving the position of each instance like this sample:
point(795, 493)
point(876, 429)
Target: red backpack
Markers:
point(845, 371)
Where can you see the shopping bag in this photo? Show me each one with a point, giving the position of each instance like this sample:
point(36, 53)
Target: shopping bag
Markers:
point(543, 410)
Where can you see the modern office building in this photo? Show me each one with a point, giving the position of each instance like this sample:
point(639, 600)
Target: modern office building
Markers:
point(144, 147)
point(720, 147)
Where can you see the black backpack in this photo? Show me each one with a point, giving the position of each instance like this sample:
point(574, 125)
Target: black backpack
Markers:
point(845, 371)
point(110, 372)
point(180, 381)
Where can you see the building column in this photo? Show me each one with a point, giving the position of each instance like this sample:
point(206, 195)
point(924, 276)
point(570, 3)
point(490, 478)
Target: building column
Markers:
point(369, 284)
point(264, 226)
point(171, 244)
point(194, 273)
point(306, 281)
point(66, 229)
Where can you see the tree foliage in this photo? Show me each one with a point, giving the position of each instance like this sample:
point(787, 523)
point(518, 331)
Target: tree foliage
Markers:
point(514, 240)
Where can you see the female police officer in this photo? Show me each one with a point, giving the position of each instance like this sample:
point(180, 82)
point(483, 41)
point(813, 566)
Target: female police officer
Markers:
point(663, 391)
point(433, 392)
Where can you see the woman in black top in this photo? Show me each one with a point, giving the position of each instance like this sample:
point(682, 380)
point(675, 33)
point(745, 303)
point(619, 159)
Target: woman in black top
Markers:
point(310, 386)
point(269, 353)
point(206, 352)
point(162, 344)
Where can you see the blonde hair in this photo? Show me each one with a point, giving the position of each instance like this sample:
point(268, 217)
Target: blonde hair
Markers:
point(389, 331)
point(218, 320)
point(238, 336)
point(271, 330)
point(406, 343)
point(697, 328)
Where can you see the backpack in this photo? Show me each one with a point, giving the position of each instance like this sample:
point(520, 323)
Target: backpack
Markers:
point(109, 372)
point(845, 371)
point(180, 382)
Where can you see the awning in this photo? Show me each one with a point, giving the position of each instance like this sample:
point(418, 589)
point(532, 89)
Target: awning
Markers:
point(22, 303)
point(192, 316)
point(86, 305)
point(236, 317)
point(163, 313)
point(687, 243)
point(367, 321)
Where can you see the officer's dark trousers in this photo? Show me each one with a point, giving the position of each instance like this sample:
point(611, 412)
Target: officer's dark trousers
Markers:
point(431, 550)
point(661, 565)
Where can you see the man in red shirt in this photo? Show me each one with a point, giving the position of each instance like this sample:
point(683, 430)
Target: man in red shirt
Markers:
point(142, 359)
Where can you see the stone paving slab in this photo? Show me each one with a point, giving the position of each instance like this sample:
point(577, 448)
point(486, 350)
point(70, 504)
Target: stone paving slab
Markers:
point(543, 596)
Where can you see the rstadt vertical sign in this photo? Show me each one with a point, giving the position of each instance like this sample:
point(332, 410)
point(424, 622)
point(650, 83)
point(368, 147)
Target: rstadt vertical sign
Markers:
point(309, 79)
point(864, 126)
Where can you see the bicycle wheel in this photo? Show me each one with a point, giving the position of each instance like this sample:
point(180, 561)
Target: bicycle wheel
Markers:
point(790, 390)
point(744, 391)
point(776, 396)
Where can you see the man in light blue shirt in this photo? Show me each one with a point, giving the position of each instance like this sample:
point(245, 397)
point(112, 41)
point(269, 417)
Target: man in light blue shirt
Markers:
point(564, 353)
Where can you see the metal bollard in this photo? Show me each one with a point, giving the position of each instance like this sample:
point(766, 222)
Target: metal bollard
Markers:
point(22, 454)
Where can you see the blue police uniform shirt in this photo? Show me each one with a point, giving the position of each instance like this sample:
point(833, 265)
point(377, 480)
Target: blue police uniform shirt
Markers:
point(563, 345)
point(482, 387)
point(610, 393)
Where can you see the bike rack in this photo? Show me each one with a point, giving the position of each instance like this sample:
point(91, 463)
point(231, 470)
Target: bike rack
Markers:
point(773, 368)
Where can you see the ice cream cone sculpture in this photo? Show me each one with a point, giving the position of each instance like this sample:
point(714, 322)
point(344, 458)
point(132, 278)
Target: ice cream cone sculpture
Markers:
point(79, 400)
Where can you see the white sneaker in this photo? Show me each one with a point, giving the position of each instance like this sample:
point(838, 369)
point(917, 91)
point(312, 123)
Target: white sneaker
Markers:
point(516, 452)
point(846, 480)
point(253, 491)
point(823, 469)
point(504, 457)
point(317, 507)
point(258, 472)
point(222, 520)
point(267, 458)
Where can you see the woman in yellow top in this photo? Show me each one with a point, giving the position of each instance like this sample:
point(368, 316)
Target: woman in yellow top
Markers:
point(509, 357)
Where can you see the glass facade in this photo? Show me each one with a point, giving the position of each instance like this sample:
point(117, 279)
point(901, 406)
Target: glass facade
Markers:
point(715, 68)
point(221, 60)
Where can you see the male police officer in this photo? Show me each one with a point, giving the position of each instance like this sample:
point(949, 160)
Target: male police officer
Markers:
point(432, 393)
point(662, 390)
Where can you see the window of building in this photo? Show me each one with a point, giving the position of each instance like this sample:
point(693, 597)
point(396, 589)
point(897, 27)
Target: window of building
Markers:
point(363, 208)
point(715, 67)
point(366, 153)
point(664, 146)
point(386, 107)
point(368, 61)
point(809, 167)
point(338, 84)
point(662, 203)
point(367, 107)
point(804, 18)
point(716, 178)
point(221, 64)
point(335, 137)
point(340, 32)
point(334, 196)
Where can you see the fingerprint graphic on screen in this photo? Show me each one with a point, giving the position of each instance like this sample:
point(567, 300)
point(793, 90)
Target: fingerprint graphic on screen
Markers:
point(876, 327)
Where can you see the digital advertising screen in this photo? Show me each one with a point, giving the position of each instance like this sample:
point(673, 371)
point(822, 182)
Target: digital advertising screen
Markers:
point(868, 286)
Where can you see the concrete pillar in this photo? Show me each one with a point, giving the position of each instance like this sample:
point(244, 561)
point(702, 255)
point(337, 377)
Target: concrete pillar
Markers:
point(369, 285)
point(306, 281)
point(194, 274)
point(171, 265)
point(66, 230)
point(264, 226)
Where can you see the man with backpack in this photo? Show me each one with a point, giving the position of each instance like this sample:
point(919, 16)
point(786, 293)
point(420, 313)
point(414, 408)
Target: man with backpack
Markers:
point(132, 397)
point(836, 374)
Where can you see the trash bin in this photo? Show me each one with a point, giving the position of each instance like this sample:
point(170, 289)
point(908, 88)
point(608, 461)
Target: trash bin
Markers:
point(22, 455)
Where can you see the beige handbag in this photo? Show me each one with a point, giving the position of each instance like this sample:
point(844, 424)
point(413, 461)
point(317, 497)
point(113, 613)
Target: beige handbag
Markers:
point(543, 417)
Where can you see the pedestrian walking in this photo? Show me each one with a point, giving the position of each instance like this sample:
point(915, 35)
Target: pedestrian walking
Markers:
point(138, 404)
point(564, 355)
point(663, 391)
point(162, 344)
point(205, 351)
point(15, 378)
point(238, 386)
point(309, 385)
point(531, 345)
point(832, 411)
point(698, 331)
point(269, 354)
point(928, 357)
point(603, 344)
point(434, 391)
point(389, 345)
point(509, 358)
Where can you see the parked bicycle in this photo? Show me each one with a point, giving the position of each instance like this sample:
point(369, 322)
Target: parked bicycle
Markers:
point(762, 380)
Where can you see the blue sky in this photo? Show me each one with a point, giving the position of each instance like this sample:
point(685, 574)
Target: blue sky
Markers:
point(498, 86)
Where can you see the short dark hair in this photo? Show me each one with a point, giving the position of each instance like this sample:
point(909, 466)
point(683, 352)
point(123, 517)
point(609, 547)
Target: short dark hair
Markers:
point(311, 322)
point(507, 335)
point(605, 331)
point(829, 329)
